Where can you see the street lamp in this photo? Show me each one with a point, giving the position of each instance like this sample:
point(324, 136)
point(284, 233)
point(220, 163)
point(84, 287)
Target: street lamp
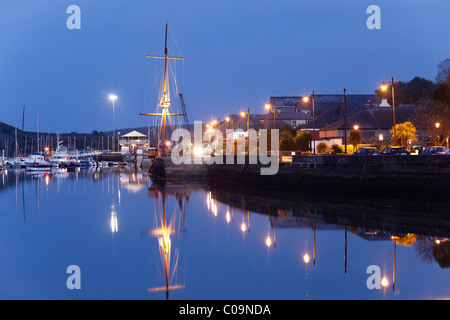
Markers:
point(345, 121)
point(305, 100)
point(269, 107)
point(356, 127)
point(437, 125)
point(113, 98)
point(384, 87)
point(230, 121)
point(243, 113)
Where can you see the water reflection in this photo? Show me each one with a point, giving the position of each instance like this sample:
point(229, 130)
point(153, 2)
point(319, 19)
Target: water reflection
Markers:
point(285, 226)
point(424, 226)
point(168, 225)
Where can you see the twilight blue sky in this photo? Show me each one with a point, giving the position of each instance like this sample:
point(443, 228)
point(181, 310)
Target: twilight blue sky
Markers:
point(237, 55)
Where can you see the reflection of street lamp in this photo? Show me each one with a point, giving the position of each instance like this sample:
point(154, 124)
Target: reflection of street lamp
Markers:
point(306, 258)
point(113, 98)
point(305, 100)
point(268, 241)
point(114, 223)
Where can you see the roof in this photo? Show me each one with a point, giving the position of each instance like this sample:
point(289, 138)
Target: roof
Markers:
point(134, 134)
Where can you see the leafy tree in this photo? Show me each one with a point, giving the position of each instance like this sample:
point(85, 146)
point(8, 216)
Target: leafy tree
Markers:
point(286, 129)
point(403, 132)
point(355, 138)
point(442, 94)
point(322, 147)
point(408, 92)
point(287, 143)
point(336, 149)
point(302, 141)
point(287, 138)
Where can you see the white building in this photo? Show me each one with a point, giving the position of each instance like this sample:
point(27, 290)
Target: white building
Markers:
point(133, 142)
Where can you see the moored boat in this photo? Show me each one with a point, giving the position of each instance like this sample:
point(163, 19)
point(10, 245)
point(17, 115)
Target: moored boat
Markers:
point(38, 162)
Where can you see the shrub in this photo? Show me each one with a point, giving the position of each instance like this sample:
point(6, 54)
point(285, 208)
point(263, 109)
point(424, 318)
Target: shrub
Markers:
point(322, 147)
point(336, 149)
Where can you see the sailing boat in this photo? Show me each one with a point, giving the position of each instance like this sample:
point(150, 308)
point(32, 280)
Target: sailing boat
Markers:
point(19, 161)
point(37, 161)
point(164, 100)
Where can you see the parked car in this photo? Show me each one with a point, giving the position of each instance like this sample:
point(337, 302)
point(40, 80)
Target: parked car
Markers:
point(367, 151)
point(399, 151)
point(434, 150)
point(418, 149)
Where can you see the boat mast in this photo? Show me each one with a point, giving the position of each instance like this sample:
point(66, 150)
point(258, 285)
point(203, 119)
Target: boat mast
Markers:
point(165, 99)
point(37, 133)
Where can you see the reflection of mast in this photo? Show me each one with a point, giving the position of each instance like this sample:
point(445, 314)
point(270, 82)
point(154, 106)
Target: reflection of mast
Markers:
point(345, 251)
point(393, 271)
point(164, 230)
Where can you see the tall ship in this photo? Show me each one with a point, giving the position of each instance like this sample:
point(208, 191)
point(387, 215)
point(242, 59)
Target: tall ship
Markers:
point(162, 166)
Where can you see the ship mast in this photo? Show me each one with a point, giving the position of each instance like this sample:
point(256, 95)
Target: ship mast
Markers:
point(164, 102)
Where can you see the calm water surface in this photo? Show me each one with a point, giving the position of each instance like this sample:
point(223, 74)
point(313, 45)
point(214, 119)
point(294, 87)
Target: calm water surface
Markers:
point(133, 239)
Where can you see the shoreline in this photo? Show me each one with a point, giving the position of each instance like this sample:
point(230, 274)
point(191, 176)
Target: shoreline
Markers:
point(395, 176)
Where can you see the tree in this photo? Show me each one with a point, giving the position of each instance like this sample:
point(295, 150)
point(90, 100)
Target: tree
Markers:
point(336, 149)
point(322, 147)
point(286, 138)
point(408, 92)
point(403, 132)
point(287, 143)
point(442, 94)
point(302, 141)
point(355, 138)
point(443, 75)
point(429, 112)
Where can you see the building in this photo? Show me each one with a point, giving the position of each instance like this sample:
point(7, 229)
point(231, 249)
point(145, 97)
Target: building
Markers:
point(132, 142)
point(374, 123)
point(324, 102)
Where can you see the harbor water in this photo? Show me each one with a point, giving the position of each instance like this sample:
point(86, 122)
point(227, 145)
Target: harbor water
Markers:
point(133, 238)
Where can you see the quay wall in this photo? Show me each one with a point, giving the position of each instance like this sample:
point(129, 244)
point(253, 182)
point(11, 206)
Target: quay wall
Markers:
point(414, 176)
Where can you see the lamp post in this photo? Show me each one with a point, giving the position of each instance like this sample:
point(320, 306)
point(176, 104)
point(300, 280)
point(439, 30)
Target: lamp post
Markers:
point(384, 88)
point(306, 99)
point(437, 125)
point(269, 107)
point(243, 113)
point(345, 121)
point(113, 98)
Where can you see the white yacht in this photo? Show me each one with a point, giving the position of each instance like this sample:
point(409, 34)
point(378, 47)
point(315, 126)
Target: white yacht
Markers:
point(19, 162)
point(37, 162)
point(61, 156)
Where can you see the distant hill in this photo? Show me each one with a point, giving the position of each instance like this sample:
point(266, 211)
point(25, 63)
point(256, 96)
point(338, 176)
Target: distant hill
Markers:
point(27, 140)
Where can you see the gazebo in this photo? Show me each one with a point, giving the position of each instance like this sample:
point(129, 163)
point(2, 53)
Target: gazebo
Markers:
point(133, 141)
